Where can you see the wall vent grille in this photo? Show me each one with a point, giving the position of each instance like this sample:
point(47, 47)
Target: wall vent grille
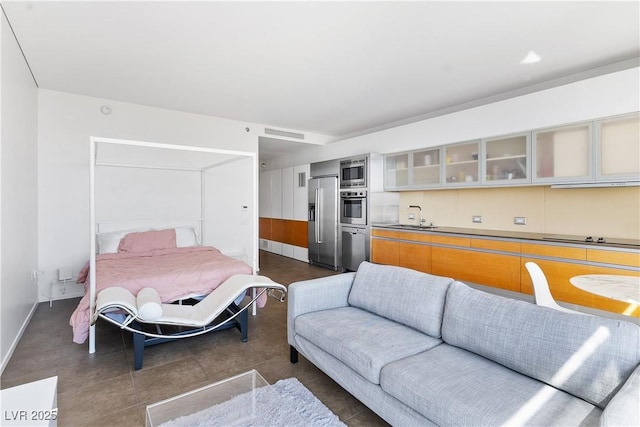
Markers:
point(277, 132)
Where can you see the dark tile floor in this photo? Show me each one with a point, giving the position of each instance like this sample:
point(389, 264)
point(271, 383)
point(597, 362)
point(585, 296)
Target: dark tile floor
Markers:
point(103, 389)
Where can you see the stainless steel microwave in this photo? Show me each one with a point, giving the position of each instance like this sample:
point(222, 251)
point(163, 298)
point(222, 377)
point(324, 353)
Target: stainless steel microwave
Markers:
point(353, 173)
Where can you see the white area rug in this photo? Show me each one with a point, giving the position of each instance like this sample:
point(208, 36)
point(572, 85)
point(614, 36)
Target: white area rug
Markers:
point(285, 403)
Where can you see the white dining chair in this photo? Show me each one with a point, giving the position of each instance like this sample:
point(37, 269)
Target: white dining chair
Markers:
point(541, 293)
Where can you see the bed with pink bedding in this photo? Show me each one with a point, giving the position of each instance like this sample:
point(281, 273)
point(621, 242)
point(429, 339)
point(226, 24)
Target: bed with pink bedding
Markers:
point(151, 259)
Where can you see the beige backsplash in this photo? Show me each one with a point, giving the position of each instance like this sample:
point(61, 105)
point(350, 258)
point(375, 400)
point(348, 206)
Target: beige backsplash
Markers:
point(598, 212)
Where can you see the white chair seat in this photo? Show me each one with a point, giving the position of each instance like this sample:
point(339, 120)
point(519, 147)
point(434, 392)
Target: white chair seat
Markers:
point(541, 293)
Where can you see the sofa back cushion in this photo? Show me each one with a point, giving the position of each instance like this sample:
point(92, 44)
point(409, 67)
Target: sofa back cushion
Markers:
point(406, 296)
point(587, 356)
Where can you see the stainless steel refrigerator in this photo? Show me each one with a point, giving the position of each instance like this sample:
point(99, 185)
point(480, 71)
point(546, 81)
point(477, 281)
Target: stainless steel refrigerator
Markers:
point(323, 221)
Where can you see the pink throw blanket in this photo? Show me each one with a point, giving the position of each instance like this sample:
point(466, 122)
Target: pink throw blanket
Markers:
point(175, 273)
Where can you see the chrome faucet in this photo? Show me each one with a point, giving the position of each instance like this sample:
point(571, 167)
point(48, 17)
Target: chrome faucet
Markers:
point(422, 220)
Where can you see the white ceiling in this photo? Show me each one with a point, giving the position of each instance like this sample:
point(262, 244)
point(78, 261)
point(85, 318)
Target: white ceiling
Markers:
point(333, 68)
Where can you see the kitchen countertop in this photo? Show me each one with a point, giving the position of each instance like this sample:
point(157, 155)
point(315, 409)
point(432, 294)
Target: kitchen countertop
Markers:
point(540, 237)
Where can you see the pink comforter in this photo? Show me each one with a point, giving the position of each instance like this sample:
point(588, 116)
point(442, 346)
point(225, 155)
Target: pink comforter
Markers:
point(175, 273)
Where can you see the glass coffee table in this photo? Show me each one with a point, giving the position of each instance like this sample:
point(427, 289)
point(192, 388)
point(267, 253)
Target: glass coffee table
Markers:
point(239, 400)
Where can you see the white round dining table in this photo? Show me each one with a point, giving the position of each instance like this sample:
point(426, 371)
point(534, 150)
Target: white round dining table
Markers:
point(621, 288)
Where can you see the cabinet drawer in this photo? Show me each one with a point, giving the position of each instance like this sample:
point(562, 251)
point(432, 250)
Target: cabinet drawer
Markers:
point(630, 259)
point(554, 251)
point(401, 235)
point(496, 245)
point(499, 271)
point(464, 242)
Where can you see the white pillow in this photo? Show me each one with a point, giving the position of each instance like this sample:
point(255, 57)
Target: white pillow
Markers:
point(108, 242)
point(186, 237)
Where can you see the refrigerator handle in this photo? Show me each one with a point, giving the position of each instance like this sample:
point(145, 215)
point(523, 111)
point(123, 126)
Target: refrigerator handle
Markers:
point(318, 215)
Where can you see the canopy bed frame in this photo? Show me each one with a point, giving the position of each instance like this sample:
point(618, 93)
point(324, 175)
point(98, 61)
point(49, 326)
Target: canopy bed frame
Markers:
point(120, 153)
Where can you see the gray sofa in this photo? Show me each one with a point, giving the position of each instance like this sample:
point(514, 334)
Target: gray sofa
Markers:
point(419, 349)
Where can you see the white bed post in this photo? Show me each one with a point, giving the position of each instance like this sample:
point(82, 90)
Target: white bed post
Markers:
point(203, 211)
point(92, 255)
point(256, 236)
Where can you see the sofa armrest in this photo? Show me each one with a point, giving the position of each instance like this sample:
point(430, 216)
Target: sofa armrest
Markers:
point(315, 295)
point(624, 408)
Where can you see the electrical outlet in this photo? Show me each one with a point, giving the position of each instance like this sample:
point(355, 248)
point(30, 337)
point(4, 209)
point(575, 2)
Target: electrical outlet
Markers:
point(520, 220)
point(476, 218)
point(411, 216)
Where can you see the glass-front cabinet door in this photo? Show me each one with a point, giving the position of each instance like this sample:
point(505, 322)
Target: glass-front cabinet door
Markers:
point(461, 164)
point(618, 145)
point(396, 171)
point(506, 160)
point(426, 167)
point(563, 154)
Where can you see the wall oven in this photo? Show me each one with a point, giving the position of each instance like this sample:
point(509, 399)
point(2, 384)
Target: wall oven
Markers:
point(353, 207)
point(353, 173)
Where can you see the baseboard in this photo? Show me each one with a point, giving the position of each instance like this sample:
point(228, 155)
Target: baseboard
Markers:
point(5, 361)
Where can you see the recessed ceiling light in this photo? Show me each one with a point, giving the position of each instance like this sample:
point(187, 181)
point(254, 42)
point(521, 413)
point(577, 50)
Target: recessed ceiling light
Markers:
point(531, 58)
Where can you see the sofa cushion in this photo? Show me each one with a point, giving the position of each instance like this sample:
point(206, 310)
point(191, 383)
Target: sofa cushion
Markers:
point(587, 356)
point(363, 341)
point(412, 298)
point(452, 386)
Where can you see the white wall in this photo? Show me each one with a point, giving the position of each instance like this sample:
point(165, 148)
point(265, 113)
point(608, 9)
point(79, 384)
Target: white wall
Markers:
point(19, 204)
point(228, 224)
point(606, 95)
point(65, 123)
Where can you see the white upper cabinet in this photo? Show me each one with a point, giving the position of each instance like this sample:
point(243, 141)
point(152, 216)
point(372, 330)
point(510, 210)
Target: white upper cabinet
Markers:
point(270, 197)
point(283, 193)
point(287, 193)
point(276, 193)
point(426, 167)
point(462, 166)
point(506, 160)
point(618, 148)
point(563, 154)
point(396, 171)
point(264, 195)
point(604, 150)
point(300, 194)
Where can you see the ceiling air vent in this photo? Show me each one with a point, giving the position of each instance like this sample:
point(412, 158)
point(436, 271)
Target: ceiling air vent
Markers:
point(283, 133)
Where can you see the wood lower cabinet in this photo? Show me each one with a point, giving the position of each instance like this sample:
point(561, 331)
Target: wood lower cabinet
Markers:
point(500, 263)
point(401, 251)
point(415, 256)
point(385, 251)
point(490, 269)
point(610, 257)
